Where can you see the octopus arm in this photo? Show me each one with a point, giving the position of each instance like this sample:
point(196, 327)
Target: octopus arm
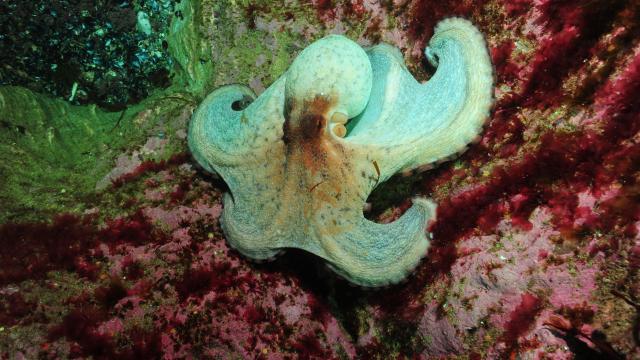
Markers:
point(408, 125)
point(239, 137)
point(372, 254)
point(253, 234)
point(230, 129)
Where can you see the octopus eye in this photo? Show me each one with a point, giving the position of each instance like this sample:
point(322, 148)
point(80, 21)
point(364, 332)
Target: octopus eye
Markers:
point(340, 118)
point(339, 130)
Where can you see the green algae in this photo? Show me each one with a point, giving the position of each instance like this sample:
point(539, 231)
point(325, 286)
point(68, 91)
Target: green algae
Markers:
point(190, 49)
point(49, 153)
point(401, 337)
point(53, 153)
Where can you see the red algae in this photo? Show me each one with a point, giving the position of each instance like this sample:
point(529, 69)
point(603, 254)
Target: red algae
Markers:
point(150, 166)
point(110, 294)
point(521, 205)
point(355, 8)
point(325, 9)
point(451, 222)
point(319, 310)
point(307, 346)
point(14, 309)
point(371, 350)
point(575, 157)
point(621, 102)
point(180, 191)
point(620, 212)
point(578, 315)
point(141, 289)
point(30, 250)
point(573, 30)
point(134, 229)
point(145, 344)
point(79, 325)
point(253, 314)
point(517, 8)
point(197, 282)
point(521, 319)
point(133, 270)
point(561, 165)
point(490, 217)
point(425, 15)
point(500, 56)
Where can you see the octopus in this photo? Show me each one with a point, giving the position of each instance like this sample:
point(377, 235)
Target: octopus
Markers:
point(301, 159)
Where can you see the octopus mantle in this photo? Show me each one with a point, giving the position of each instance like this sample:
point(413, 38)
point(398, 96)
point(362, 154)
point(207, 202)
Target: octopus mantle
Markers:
point(302, 158)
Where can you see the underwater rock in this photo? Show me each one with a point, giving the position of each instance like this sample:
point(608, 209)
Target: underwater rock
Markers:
point(536, 247)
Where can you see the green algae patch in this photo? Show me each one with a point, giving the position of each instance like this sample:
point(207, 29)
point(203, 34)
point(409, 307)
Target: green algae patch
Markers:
point(53, 153)
point(50, 153)
point(190, 48)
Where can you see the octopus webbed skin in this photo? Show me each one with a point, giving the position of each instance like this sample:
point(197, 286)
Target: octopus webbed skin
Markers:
point(301, 159)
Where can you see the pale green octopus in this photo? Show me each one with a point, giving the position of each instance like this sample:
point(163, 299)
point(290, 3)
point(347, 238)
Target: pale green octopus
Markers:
point(302, 158)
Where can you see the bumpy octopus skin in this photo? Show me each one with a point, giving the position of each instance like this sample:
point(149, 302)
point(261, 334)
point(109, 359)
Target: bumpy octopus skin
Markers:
point(301, 159)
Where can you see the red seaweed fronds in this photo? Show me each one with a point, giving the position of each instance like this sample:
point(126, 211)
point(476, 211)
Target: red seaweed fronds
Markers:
point(134, 229)
point(14, 308)
point(521, 319)
point(490, 217)
point(570, 160)
point(355, 8)
point(30, 250)
point(151, 166)
point(578, 315)
point(505, 69)
point(517, 8)
point(132, 269)
point(319, 310)
point(371, 350)
point(573, 31)
point(80, 326)
point(325, 9)
point(142, 288)
point(145, 344)
point(425, 15)
point(197, 282)
point(110, 294)
point(307, 346)
point(620, 98)
point(180, 191)
point(68, 242)
point(253, 314)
